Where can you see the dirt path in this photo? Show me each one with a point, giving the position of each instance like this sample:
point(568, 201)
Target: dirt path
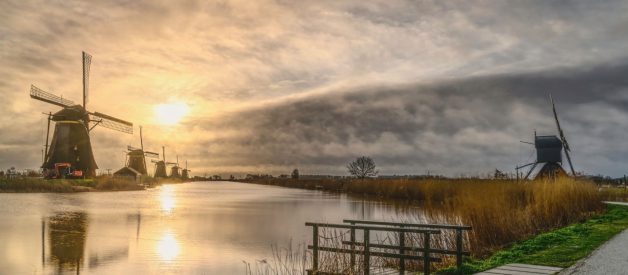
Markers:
point(610, 258)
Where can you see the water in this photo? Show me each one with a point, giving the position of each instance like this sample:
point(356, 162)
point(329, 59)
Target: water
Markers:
point(193, 228)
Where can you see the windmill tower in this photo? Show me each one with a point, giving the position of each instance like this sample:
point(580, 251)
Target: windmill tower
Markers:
point(136, 157)
point(160, 166)
point(70, 143)
point(185, 173)
point(549, 153)
point(174, 170)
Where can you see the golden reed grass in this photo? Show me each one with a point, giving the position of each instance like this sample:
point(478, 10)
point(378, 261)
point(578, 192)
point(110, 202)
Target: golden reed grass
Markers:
point(501, 212)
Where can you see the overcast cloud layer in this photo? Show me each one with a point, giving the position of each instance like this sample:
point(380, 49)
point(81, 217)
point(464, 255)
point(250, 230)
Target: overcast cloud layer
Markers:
point(445, 86)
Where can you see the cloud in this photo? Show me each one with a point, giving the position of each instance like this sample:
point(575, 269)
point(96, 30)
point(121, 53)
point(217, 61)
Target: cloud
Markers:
point(454, 127)
point(405, 81)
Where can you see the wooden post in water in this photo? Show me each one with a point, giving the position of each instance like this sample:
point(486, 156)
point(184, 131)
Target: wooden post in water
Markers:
point(426, 254)
point(315, 249)
point(352, 255)
point(459, 249)
point(367, 253)
point(402, 244)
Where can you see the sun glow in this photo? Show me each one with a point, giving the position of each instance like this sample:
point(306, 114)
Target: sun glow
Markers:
point(168, 247)
point(170, 113)
point(167, 199)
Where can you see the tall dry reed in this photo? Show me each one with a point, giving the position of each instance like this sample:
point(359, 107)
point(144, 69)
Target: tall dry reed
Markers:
point(501, 212)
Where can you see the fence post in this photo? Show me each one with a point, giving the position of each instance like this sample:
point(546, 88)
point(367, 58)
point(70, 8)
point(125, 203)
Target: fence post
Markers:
point(459, 249)
point(426, 254)
point(352, 256)
point(402, 260)
point(315, 249)
point(367, 253)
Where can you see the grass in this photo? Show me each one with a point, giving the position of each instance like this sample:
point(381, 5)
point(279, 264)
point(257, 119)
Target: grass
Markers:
point(561, 247)
point(501, 212)
point(35, 185)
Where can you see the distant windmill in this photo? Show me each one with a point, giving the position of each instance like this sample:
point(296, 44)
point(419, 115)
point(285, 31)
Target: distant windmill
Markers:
point(70, 145)
point(160, 166)
point(136, 157)
point(174, 170)
point(549, 153)
point(185, 173)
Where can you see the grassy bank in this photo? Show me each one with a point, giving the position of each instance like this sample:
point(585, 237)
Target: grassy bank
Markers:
point(501, 212)
point(561, 247)
point(102, 183)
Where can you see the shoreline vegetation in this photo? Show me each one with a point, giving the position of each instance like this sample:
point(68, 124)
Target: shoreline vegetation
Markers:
point(511, 221)
point(97, 184)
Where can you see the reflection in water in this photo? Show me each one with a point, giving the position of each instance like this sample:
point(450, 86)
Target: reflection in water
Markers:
point(167, 199)
point(195, 228)
point(67, 234)
point(168, 247)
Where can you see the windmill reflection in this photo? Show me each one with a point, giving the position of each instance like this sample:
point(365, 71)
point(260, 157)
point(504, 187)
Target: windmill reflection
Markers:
point(67, 233)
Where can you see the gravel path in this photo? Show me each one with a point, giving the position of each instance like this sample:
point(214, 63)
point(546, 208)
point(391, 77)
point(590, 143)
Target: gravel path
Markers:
point(610, 258)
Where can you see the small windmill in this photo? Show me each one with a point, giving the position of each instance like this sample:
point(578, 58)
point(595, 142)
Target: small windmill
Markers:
point(136, 157)
point(174, 170)
point(160, 165)
point(185, 173)
point(70, 146)
point(549, 153)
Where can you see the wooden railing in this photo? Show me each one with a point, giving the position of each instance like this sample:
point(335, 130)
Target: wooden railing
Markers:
point(402, 229)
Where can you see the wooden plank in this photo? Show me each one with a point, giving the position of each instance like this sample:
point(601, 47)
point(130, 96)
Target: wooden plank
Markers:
point(537, 266)
point(510, 272)
point(523, 269)
point(526, 269)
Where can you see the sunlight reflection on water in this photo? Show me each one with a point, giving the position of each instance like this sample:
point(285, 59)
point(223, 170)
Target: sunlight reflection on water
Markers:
point(192, 228)
point(168, 246)
point(167, 199)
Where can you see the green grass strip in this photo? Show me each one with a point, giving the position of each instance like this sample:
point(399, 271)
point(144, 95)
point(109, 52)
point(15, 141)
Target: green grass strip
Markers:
point(561, 248)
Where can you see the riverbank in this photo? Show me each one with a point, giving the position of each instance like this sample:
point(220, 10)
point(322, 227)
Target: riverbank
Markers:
point(98, 184)
point(501, 212)
point(561, 247)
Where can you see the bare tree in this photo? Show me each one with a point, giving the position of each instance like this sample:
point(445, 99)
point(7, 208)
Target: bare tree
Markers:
point(295, 174)
point(362, 167)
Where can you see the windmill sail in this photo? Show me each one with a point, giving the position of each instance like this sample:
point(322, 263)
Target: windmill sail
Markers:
point(87, 61)
point(47, 97)
point(562, 137)
point(113, 123)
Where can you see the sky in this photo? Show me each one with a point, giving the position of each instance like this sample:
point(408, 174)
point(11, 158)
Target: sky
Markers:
point(238, 87)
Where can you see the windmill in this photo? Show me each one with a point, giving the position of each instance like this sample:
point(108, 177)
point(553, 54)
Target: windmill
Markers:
point(549, 152)
point(185, 173)
point(70, 147)
point(174, 170)
point(136, 157)
point(160, 165)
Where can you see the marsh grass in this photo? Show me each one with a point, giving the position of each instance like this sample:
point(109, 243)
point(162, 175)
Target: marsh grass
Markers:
point(501, 212)
point(100, 183)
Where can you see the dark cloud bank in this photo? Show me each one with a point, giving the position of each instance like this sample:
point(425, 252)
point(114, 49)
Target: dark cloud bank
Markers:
point(453, 127)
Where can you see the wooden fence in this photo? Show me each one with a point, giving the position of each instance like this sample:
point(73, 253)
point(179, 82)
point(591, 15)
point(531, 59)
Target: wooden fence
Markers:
point(429, 253)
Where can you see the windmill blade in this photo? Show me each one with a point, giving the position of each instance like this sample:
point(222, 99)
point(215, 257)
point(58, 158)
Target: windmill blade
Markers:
point(155, 161)
point(151, 154)
point(113, 123)
point(87, 61)
point(131, 148)
point(562, 136)
point(171, 163)
point(47, 97)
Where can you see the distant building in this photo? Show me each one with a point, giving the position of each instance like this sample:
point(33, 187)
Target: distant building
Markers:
point(128, 172)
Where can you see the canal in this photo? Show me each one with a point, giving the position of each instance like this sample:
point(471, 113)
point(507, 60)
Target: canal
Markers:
point(192, 228)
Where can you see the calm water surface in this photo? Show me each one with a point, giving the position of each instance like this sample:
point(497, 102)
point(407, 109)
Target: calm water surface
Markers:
point(194, 228)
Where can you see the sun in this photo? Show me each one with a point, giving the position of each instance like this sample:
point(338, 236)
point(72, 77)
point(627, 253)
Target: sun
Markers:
point(170, 113)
